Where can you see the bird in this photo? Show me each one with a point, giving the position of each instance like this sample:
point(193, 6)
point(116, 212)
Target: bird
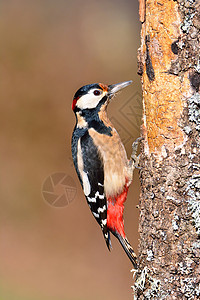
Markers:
point(101, 162)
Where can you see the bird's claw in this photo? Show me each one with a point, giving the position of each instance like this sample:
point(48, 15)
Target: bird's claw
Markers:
point(134, 157)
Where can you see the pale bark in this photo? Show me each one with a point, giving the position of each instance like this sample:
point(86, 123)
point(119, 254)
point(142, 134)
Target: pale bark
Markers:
point(169, 226)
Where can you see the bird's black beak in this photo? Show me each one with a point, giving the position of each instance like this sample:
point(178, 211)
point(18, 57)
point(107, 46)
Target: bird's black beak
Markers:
point(114, 88)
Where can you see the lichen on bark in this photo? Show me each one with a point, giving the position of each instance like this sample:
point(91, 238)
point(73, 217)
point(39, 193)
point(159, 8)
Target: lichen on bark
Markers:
point(169, 249)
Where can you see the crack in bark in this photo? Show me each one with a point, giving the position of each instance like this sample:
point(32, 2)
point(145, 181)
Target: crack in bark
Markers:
point(149, 66)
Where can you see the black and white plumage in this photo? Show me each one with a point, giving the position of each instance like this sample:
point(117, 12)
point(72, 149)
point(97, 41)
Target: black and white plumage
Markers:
point(94, 188)
point(100, 161)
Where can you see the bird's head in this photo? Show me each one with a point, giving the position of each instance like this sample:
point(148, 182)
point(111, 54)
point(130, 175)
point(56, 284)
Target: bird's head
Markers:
point(95, 95)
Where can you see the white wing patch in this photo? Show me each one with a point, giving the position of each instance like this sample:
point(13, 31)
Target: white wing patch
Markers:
point(104, 222)
point(95, 215)
point(101, 209)
point(84, 177)
point(106, 235)
point(94, 199)
point(98, 195)
point(86, 184)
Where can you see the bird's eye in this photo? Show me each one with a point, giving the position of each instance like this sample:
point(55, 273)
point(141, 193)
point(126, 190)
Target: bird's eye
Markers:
point(96, 92)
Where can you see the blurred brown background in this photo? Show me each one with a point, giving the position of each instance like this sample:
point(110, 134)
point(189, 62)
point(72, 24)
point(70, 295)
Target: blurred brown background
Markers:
point(48, 50)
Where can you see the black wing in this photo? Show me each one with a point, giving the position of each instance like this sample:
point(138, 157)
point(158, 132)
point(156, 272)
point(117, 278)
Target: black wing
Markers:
point(94, 172)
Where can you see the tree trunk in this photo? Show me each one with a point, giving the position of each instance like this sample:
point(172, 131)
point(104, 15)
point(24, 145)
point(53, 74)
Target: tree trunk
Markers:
point(169, 65)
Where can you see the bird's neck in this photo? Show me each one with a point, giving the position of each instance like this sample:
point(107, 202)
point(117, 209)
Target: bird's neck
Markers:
point(96, 119)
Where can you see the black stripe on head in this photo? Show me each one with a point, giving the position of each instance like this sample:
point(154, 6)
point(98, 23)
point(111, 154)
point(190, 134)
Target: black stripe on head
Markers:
point(84, 89)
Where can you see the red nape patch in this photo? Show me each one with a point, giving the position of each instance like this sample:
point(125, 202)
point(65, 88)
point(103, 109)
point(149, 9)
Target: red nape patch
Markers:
point(115, 211)
point(74, 102)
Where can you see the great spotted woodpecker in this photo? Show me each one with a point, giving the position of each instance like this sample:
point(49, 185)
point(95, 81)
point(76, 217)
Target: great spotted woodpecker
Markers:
point(101, 162)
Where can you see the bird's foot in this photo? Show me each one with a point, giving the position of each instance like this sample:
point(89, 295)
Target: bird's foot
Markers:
point(134, 157)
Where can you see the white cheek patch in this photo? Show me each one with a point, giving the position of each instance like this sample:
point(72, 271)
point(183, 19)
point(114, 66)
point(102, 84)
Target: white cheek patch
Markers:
point(89, 100)
point(85, 179)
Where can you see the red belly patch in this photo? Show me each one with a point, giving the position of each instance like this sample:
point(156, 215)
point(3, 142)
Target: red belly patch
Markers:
point(115, 211)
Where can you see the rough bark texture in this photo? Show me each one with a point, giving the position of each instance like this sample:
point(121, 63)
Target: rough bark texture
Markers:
point(169, 65)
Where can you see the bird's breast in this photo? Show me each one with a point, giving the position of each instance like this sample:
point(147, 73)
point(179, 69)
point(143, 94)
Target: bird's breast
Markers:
point(115, 162)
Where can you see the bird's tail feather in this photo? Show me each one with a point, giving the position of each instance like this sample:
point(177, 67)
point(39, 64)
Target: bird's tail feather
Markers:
point(128, 249)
